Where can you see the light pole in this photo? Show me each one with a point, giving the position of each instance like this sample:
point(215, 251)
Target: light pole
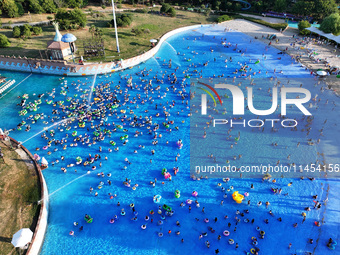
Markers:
point(115, 24)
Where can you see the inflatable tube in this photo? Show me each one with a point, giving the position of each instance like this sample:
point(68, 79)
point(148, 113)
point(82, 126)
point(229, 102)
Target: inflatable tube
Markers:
point(189, 201)
point(157, 199)
point(226, 232)
point(231, 241)
point(88, 220)
point(160, 234)
point(206, 220)
point(194, 194)
point(252, 251)
point(112, 221)
point(167, 208)
point(143, 227)
point(238, 198)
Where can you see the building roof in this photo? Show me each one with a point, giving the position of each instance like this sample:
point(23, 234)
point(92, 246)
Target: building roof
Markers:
point(52, 45)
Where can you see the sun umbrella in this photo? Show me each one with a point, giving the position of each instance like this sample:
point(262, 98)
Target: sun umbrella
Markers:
point(321, 73)
point(44, 161)
point(153, 40)
point(67, 38)
point(22, 237)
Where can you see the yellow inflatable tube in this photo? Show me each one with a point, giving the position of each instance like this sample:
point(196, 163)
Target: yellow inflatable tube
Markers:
point(238, 197)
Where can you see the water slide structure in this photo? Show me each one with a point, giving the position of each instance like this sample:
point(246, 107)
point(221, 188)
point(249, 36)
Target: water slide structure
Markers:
point(247, 5)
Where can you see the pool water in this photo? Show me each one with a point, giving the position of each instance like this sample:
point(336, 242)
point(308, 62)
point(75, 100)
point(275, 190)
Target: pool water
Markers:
point(294, 24)
point(70, 197)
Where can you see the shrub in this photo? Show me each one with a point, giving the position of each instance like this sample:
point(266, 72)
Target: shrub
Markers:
point(119, 6)
point(26, 31)
point(142, 10)
point(223, 18)
point(103, 6)
point(37, 30)
point(123, 20)
point(4, 42)
point(137, 31)
point(49, 17)
point(165, 8)
point(172, 12)
point(16, 32)
point(302, 25)
point(277, 26)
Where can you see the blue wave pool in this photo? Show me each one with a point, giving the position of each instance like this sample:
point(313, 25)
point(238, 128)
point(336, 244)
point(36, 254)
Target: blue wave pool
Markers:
point(150, 90)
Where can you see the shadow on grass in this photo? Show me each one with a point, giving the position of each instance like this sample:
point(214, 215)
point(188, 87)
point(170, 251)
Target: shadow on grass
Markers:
point(5, 239)
point(136, 44)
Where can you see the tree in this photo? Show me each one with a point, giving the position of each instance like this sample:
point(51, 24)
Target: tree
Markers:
point(70, 19)
point(10, 8)
point(21, 10)
point(324, 8)
point(34, 6)
point(331, 24)
point(258, 6)
point(4, 41)
point(16, 32)
point(280, 5)
point(304, 8)
point(37, 30)
point(303, 24)
point(49, 6)
point(74, 3)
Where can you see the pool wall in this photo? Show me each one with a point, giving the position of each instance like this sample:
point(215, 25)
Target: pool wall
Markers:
point(40, 229)
point(55, 67)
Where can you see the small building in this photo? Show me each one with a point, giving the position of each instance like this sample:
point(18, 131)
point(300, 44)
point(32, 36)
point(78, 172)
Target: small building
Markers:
point(58, 50)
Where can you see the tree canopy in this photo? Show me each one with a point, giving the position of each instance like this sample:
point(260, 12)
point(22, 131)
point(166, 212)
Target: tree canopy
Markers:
point(331, 24)
point(70, 19)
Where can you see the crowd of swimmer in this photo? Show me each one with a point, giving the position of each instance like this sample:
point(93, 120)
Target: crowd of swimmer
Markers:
point(113, 110)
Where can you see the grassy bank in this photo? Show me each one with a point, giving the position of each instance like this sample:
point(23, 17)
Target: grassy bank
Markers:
point(130, 45)
point(19, 193)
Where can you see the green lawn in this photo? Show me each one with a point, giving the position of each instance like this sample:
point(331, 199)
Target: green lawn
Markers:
point(19, 193)
point(130, 45)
